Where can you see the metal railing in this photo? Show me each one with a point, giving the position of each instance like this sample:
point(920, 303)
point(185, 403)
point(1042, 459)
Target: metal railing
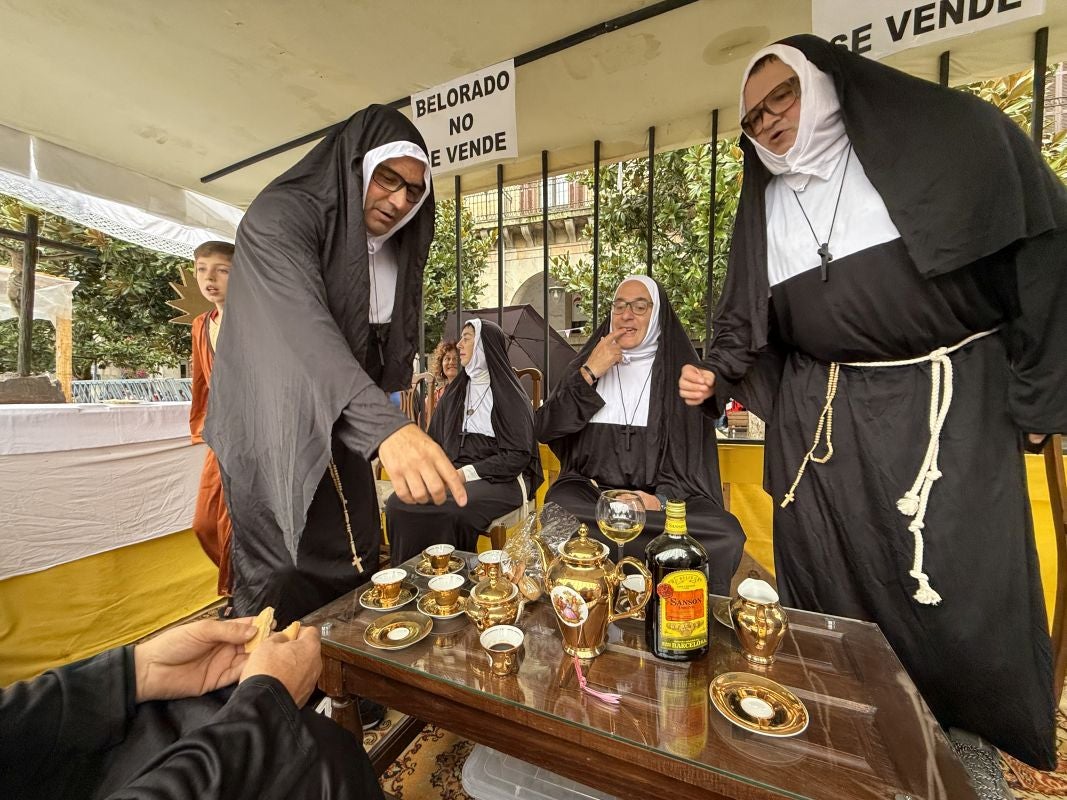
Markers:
point(144, 389)
point(524, 201)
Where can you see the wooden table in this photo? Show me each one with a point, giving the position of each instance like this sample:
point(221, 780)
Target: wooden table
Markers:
point(870, 736)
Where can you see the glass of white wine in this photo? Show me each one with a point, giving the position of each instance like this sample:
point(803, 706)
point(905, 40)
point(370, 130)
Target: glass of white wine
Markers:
point(620, 515)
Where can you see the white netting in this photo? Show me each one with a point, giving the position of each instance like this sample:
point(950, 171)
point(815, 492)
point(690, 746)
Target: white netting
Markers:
point(115, 219)
point(52, 298)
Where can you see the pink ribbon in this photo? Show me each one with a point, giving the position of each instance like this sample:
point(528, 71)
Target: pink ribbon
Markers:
point(607, 697)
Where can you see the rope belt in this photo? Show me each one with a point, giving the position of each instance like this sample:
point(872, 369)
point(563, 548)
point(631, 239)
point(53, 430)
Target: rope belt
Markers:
point(914, 502)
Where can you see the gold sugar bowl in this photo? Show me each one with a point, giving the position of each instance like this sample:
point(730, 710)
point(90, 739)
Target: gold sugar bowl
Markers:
point(494, 601)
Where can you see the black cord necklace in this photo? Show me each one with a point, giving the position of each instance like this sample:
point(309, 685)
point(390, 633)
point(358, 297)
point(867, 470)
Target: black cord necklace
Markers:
point(627, 429)
point(470, 411)
point(823, 250)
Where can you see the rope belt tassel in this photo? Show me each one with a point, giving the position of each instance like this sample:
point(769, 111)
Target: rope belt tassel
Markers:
point(915, 500)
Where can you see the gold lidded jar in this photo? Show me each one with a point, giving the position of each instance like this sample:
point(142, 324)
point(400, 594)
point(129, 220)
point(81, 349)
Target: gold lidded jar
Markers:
point(494, 601)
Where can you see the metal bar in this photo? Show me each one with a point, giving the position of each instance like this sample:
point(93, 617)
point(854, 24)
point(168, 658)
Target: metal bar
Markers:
point(1037, 116)
point(709, 299)
point(651, 195)
point(942, 69)
point(544, 247)
point(559, 45)
point(29, 265)
point(459, 257)
point(596, 233)
point(500, 244)
point(7, 233)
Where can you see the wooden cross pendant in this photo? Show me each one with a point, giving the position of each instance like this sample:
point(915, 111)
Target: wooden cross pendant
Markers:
point(627, 431)
point(824, 254)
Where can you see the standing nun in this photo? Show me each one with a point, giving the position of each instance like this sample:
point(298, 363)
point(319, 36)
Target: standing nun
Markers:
point(615, 421)
point(894, 308)
point(322, 318)
point(484, 423)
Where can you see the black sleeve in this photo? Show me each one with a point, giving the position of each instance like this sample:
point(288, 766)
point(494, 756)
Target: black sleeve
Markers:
point(1037, 336)
point(503, 466)
point(256, 746)
point(62, 718)
point(568, 410)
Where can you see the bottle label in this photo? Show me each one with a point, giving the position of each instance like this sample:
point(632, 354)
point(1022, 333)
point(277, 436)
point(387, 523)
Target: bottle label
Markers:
point(683, 610)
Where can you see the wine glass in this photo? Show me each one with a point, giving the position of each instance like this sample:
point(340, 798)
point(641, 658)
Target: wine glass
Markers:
point(620, 515)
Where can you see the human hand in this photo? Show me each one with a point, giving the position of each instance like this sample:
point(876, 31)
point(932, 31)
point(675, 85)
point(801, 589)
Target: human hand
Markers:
point(606, 354)
point(419, 469)
point(296, 664)
point(650, 501)
point(1037, 439)
point(192, 659)
point(695, 385)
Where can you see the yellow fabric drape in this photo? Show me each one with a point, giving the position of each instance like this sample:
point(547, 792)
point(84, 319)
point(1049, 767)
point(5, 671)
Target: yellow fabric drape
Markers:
point(81, 608)
point(741, 467)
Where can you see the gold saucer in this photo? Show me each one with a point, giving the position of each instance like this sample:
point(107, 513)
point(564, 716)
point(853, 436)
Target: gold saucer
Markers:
point(455, 564)
point(428, 605)
point(758, 704)
point(721, 612)
point(398, 630)
point(369, 598)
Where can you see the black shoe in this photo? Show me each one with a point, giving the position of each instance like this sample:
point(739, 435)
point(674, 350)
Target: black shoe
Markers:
point(370, 713)
point(982, 763)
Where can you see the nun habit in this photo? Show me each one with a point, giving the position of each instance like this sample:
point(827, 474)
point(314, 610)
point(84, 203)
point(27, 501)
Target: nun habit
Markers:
point(298, 402)
point(484, 423)
point(898, 386)
point(633, 431)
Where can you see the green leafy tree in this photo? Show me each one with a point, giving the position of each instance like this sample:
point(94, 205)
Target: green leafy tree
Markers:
point(681, 216)
point(439, 279)
point(120, 311)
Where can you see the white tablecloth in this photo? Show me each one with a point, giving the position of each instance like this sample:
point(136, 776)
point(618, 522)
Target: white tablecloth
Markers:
point(79, 480)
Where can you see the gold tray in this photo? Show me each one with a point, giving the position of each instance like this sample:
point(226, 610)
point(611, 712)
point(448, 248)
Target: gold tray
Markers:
point(721, 612)
point(369, 598)
point(758, 704)
point(455, 564)
point(398, 630)
point(428, 605)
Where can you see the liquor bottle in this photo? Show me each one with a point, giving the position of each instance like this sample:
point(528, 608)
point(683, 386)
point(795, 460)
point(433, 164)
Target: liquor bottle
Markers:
point(676, 617)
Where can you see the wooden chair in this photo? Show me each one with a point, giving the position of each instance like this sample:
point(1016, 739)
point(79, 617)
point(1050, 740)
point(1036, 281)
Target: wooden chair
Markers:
point(1057, 490)
point(536, 378)
point(737, 420)
point(411, 399)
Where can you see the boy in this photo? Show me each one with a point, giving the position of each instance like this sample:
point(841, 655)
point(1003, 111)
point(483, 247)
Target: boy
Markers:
point(211, 522)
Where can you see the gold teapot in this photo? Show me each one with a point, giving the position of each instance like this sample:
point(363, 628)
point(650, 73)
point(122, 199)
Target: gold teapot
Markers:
point(494, 601)
point(583, 586)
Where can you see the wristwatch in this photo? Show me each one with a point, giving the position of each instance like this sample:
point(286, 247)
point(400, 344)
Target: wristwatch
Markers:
point(662, 501)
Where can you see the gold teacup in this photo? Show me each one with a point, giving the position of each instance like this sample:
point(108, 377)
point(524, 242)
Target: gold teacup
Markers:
point(445, 590)
point(503, 644)
point(489, 564)
point(439, 555)
point(387, 582)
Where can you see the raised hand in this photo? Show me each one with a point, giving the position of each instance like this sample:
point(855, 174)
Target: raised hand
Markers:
point(606, 354)
point(419, 469)
point(296, 664)
point(192, 659)
point(695, 385)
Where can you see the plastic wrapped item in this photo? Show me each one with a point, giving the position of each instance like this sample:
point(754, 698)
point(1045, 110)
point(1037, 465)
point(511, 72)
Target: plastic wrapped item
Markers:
point(489, 775)
point(522, 563)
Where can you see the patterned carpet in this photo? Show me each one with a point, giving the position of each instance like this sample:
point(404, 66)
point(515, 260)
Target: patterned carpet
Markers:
point(431, 768)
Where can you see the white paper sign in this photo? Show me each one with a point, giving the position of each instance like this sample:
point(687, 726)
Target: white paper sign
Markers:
point(877, 28)
point(469, 120)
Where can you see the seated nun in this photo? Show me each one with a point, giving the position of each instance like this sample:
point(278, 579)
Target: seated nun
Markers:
point(484, 423)
point(615, 421)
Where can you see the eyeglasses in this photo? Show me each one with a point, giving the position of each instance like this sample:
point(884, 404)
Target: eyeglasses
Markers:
point(392, 182)
point(640, 306)
point(779, 100)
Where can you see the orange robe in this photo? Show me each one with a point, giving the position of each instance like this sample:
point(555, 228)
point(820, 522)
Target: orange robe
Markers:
point(211, 520)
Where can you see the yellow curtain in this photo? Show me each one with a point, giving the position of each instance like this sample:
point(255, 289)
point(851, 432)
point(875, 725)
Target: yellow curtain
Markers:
point(81, 608)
